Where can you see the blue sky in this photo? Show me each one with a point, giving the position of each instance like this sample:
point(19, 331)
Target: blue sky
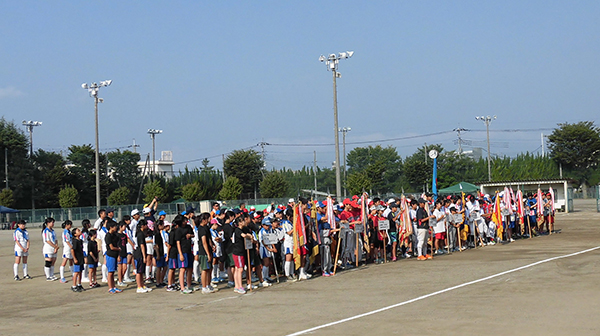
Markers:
point(217, 76)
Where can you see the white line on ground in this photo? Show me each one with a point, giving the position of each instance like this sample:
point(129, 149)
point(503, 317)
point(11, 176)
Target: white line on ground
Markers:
point(438, 292)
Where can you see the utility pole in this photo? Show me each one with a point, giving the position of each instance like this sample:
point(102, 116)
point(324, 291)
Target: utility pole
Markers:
point(344, 131)
point(543, 149)
point(30, 125)
point(134, 146)
point(426, 153)
point(223, 167)
point(332, 64)
point(262, 146)
point(315, 170)
point(6, 165)
point(488, 120)
point(460, 141)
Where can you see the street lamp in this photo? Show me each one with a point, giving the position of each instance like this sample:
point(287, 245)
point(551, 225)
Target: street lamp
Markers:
point(332, 64)
point(93, 90)
point(30, 125)
point(153, 133)
point(488, 120)
point(344, 131)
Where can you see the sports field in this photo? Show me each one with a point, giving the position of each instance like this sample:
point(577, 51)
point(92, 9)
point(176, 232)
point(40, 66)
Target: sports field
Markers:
point(492, 290)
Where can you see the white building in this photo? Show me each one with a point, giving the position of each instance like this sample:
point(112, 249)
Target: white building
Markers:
point(162, 167)
point(563, 189)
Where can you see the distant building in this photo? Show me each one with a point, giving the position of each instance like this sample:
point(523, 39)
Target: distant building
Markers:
point(476, 153)
point(162, 167)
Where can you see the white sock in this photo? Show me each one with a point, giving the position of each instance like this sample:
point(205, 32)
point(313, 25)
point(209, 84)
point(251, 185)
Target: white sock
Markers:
point(196, 269)
point(215, 272)
point(127, 272)
point(147, 272)
point(153, 271)
point(16, 269)
point(47, 271)
point(51, 271)
point(25, 272)
point(104, 272)
point(301, 271)
point(62, 272)
point(287, 268)
point(265, 273)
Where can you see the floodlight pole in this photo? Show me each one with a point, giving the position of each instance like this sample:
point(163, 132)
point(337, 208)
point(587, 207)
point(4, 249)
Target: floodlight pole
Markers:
point(153, 133)
point(332, 63)
point(93, 91)
point(344, 131)
point(30, 125)
point(487, 121)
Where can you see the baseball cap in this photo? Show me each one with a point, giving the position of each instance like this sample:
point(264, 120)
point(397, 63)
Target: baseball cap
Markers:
point(391, 200)
point(393, 205)
point(266, 221)
point(236, 211)
point(421, 200)
point(320, 205)
point(162, 213)
point(252, 208)
point(135, 212)
point(147, 210)
point(189, 209)
point(110, 210)
point(257, 215)
point(214, 221)
point(291, 200)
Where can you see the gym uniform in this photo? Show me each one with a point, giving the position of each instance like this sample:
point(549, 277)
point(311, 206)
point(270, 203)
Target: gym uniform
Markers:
point(140, 262)
point(203, 231)
point(78, 254)
point(159, 248)
point(21, 236)
point(48, 235)
point(186, 246)
point(66, 240)
point(111, 255)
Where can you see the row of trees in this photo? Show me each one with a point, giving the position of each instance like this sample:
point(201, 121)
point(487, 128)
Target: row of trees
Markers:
point(67, 181)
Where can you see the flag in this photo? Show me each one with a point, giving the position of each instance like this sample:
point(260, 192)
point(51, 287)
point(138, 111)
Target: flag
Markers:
point(497, 217)
point(330, 213)
point(553, 208)
point(540, 206)
point(508, 200)
point(520, 209)
point(299, 236)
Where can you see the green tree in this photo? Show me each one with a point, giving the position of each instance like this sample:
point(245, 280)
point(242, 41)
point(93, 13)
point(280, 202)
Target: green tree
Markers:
point(232, 189)
point(192, 192)
point(68, 197)
point(50, 176)
point(205, 165)
point(119, 196)
point(20, 167)
point(125, 170)
point(358, 182)
point(83, 170)
point(6, 198)
point(246, 165)
point(577, 148)
point(274, 185)
point(154, 189)
point(381, 165)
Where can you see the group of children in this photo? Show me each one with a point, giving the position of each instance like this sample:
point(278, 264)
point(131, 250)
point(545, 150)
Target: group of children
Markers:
point(298, 240)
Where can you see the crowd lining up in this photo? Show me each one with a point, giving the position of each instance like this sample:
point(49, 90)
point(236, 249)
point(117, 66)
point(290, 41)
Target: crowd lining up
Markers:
point(293, 242)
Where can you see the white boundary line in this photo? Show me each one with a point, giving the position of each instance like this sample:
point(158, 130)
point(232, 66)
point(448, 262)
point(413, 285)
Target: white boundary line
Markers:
point(438, 292)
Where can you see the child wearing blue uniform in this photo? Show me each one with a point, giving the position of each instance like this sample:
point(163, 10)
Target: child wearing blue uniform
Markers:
point(78, 260)
point(49, 249)
point(67, 247)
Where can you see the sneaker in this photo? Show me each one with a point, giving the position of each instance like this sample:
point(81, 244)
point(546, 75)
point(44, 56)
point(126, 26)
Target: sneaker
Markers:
point(117, 290)
point(74, 289)
point(326, 274)
point(230, 284)
point(429, 257)
point(160, 285)
point(421, 258)
point(104, 280)
point(511, 240)
point(96, 285)
point(122, 284)
point(186, 291)
point(214, 280)
point(50, 279)
point(291, 278)
point(27, 277)
point(266, 283)
point(407, 256)
point(63, 280)
point(112, 291)
point(239, 290)
point(148, 289)
point(147, 281)
point(208, 290)
point(141, 290)
point(128, 280)
point(249, 287)
point(171, 289)
point(17, 278)
point(80, 288)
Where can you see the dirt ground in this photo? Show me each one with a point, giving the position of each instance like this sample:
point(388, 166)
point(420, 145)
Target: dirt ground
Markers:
point(559, 297)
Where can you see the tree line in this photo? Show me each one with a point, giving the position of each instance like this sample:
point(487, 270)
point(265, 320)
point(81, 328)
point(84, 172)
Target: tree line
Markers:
point(56, 180)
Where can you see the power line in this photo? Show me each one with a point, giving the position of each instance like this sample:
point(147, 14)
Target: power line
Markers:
point(362, 142)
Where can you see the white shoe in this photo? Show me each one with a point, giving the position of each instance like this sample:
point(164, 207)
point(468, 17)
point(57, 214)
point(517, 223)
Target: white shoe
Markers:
point(511, 240)
point(85, 280)
point(128, 280)
point(302, 276)
point(104, 280)
point(148, 289)
point(142, 290)
point(213, 288)
point(265, 284)
point(249, 287)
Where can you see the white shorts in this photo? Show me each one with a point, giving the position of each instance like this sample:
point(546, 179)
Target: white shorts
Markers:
point(49, 255)
point(20, 253)
point(149, 249)
point(67, 254)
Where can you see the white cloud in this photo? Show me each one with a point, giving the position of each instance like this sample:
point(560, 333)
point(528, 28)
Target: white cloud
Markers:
point(9, 92)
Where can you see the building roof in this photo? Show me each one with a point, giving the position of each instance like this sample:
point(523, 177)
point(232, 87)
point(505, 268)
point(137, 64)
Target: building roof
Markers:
point(524, 182)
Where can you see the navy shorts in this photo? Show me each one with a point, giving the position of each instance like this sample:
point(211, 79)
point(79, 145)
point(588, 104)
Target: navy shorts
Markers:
point(174, 263)
point(111, 264)
point(140, 266)
point(188, 258)
point(161, 262)
point(77, 268)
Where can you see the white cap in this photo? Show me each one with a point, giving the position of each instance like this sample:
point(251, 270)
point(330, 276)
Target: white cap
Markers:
point(391, 200)
point(134, 212)
point(147, 210)
point(291, 200)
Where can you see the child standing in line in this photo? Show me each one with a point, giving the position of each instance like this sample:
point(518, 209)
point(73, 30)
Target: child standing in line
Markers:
point(85, 224)
point(439, 228)
point(112, 253)
point(173, 263)
point(67, 247)
point(21, 237)
point(183, 239)
point(149, 253)
point(216, 236)
point(240, 233)
point(77, 253)
point(122, 258)
point(140, 257)
point(49, 249)
point(92, 258)
point(159, 251)
point(205, 252)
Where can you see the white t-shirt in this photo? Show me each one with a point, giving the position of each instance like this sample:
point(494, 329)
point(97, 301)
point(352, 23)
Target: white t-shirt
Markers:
point(48, 236)
point(101, 235)
point(439, 225)
point(66, 239)
point(98, 223)
point(288, 240)
point(21, 236)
